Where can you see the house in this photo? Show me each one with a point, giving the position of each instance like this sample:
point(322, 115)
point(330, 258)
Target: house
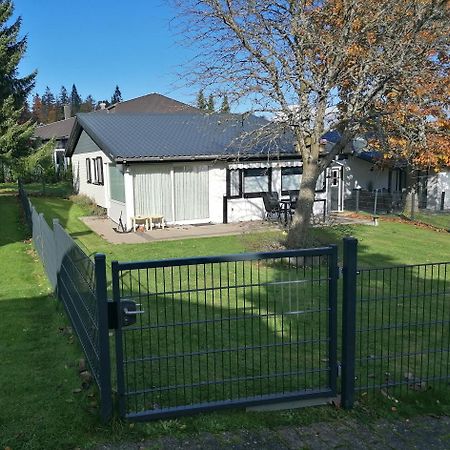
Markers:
point(152, 103)
point(190, 168)
point(58, 131)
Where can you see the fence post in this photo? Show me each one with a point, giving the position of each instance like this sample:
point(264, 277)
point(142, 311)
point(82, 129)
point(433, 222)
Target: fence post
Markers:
point(349, 321)
point(375, 203)
point(103, 330)
point(442, 201)
point(41, 240)
point(413, 205)
point(357, 200)
point(58, 259)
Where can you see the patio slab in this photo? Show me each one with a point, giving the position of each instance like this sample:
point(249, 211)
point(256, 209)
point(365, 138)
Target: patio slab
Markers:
point(104, 227)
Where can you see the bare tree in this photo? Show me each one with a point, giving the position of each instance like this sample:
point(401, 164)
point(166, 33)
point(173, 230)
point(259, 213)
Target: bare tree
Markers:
point(317, 65)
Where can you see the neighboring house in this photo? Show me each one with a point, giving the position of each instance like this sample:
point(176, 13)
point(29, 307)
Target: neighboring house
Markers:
point(153, 103)
point(60, 132)
point(437, 190)
point(190, 168)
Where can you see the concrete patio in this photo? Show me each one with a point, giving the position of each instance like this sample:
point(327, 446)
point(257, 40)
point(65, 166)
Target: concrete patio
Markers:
point(104, 227)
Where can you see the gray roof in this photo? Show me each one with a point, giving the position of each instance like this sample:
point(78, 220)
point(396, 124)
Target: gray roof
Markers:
point(176, 136)
point(150, 103)
point(58, 130)
point(153, 103)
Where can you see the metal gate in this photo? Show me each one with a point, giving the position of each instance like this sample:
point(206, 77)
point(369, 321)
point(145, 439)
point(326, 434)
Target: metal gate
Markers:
point(216, 332)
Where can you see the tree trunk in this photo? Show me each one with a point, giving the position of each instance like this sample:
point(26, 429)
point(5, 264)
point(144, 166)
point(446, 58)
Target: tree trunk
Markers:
point(410, 200)
point(299, 234)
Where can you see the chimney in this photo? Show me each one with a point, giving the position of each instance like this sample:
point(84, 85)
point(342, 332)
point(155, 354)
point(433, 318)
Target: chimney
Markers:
point(102, 105)
point(67, 112)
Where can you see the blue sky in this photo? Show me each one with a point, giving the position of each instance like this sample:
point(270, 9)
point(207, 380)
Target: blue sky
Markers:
point(97, 44)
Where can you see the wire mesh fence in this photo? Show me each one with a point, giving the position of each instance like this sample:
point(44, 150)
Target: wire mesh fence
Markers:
point(218, 332)
point(80, 284)
point(238, 330)
point(403, 328)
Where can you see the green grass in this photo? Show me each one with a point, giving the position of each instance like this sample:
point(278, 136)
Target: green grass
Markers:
point(60, 189)
point(56, 418)
point(436, 219)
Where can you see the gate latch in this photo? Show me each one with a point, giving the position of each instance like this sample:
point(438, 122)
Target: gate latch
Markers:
point(129, 312)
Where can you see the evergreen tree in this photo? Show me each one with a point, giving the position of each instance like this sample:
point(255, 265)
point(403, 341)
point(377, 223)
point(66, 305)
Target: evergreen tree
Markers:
point(63, 96)
point(61, 101)
point(36, 109)
point(201, 101)
point(75, 100)
point(14, 136)
point(49, 106)
point(210, 106)
point(225, 108)
point(117, 96)
point(88, 105)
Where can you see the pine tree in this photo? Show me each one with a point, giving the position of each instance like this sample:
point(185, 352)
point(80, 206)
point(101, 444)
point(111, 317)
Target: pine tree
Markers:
point(75, 100)
point(49, 106)
point(14, 136)
point(117, 96)
point(210, 106)
point(225, 108)
point(63, 96)
point(61, 101)
point(201, 101)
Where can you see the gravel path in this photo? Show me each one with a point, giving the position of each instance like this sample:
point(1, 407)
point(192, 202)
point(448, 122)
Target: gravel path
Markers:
point(419, 433)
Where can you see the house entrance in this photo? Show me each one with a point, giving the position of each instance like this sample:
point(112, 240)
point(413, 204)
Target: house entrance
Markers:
point(335, 187)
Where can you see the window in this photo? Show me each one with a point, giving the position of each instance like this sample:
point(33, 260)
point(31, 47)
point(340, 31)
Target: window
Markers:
point(256, 182)
point(88, 170)
point(290, 179)
point(234, 186)
point(117, 185)
point(98, 170)
point(320, 185)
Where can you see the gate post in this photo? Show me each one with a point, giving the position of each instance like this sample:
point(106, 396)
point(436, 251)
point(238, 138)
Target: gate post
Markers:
point(103, 330)
point(349, 321)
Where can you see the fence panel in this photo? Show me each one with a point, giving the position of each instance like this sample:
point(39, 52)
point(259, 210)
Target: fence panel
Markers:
point(80, 283)
point(226, 331)
point(86, 305)
point(403, 327)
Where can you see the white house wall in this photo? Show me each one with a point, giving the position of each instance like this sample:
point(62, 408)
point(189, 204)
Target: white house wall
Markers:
point(358, 174)
point(87, 148)
point(437, 184)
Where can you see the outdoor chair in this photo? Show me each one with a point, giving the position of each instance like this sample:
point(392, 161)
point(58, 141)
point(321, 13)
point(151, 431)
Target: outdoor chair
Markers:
point(272, 206)
point(294, 200)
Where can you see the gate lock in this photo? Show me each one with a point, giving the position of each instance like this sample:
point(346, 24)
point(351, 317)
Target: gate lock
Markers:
point(129, 312)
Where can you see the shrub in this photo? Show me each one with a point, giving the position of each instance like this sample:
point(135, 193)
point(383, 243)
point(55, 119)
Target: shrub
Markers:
point(88, 204)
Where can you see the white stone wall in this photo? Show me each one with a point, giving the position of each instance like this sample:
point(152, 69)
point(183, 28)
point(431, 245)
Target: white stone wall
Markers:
point(87, 148)
point(438, 183)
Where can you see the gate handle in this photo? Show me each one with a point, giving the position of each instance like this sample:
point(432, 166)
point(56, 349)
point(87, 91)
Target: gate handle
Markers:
point(132, 313)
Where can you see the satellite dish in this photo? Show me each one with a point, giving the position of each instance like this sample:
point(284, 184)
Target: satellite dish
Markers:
point(359, 143)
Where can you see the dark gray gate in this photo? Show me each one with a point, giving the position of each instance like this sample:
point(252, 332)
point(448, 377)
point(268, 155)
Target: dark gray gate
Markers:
point(216, 332)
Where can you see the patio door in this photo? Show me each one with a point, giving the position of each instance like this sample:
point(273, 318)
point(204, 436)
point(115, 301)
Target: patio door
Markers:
point(191, 192)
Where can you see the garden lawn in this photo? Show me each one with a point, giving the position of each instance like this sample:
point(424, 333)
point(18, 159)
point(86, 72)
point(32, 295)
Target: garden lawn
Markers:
point(60, 189)
point(436, 219)
point(390, 243)
point(41, 404)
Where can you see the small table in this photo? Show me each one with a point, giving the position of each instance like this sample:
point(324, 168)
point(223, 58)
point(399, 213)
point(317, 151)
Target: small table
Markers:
point(139, 220)
point(156, 220)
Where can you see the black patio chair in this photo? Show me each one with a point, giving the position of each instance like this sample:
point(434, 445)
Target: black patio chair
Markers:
point(294, 200)
point(272, 206)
